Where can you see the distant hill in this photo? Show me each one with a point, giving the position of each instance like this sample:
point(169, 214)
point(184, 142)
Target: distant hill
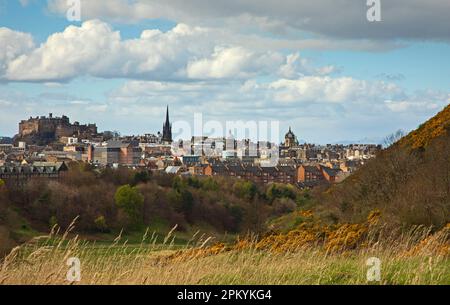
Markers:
point(6, 140)
point(409, 181)
point(360, 141)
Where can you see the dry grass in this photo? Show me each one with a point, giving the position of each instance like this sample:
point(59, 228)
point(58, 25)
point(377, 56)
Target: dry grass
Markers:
point(416, 257)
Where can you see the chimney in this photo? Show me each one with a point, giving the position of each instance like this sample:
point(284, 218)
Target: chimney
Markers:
point(50, 115)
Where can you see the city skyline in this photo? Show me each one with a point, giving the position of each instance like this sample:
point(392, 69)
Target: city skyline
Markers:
point(360, 81)
point(239, 130)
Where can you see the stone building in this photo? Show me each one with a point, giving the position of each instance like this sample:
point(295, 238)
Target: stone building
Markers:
point(114, 152)
point(44, 130)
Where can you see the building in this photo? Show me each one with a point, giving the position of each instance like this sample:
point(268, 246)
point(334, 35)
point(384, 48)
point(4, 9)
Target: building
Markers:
point(167, 130)
point(114, 152)
point(45, 130)
point(313, 175)
point(290, 145)
point(21, 173)
point(290, 140)
point(257, 174)
point(190, 160)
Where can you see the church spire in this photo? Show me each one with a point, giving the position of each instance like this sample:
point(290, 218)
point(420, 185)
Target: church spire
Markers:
point(167, 114)
point(167, 129)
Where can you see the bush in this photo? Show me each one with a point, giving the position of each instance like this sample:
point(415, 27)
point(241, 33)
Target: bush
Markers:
point(100, 223)
point(245, 189)
point(277, 190)
point(283, 206)
point(141, 177)
point(52, 221)
point(129, 200)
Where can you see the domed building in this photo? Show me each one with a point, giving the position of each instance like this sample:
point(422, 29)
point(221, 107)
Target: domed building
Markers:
point(290, 140)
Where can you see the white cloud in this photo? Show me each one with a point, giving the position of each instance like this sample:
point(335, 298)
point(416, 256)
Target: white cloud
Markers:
point(346, 19)
point(13, 44)
point(331, 90)
point(234, 62)
point(95, 49)
point(183, 53)
point(293, 67)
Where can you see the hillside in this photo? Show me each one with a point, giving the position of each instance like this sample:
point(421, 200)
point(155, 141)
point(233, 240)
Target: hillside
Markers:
point(409, 181)
point(438, 126)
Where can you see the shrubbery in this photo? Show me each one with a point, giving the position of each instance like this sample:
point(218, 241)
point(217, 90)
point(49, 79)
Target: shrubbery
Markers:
point(109, 200)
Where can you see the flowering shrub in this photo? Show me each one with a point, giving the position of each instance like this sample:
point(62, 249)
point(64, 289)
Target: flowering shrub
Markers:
point(435, 127)
point(434, 244)
point(330, 239)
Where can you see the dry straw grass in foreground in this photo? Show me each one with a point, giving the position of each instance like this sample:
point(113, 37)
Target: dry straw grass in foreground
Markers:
point(309, 255)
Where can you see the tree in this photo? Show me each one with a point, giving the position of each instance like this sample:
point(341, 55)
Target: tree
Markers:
point(141, 177)
point(130, 201)
point(245, 189)
point(3, 198)
point(100, 223)
point(393, 138)
point(276, 190)
point(209, 184)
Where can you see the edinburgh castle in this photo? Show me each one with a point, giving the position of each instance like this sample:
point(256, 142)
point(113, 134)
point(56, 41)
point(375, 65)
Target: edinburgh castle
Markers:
point(44, 130)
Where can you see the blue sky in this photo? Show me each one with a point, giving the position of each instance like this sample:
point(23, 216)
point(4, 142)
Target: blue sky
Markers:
point(339, 79)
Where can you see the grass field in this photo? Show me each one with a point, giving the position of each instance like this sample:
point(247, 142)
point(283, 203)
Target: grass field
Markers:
point(406, 260)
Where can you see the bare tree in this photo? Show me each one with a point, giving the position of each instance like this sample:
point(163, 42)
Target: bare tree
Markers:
point(393, 138)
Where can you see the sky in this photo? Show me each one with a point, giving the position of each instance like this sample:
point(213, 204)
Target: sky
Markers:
point(320, 67)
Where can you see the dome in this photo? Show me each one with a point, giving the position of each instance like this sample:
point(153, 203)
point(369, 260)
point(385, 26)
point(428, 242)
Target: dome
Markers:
point(290, 134)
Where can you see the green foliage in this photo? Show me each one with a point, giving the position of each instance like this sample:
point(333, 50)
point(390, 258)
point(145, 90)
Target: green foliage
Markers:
point(209, 184)
point(194, 182)
point(52, 221)
point(112, 199)
point(100, 223)
point(303, 199)
point(131, 201)
point(182, 200)
point(187, 201)
point(178, 183)
point(2, 183)
point(141, 177)
point(277, 190)
point(238, 214)
point(245, 189)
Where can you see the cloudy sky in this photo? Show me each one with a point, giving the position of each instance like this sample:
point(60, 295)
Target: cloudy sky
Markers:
point(318, 66)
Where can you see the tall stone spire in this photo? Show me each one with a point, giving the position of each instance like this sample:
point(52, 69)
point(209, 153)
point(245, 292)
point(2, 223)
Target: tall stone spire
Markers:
point(167, 129)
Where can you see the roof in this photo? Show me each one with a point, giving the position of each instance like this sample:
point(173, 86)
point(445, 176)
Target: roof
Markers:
point(37, 167)
point(57, 165)
point(173, 169)
point(312, 169)
point(290, 134)
point(287, 169)
point(117, 144)
point(331, 171)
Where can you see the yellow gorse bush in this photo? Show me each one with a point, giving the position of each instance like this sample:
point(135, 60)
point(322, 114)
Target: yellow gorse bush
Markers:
point(309, 233)
point(437, 244)
point(433, 128)
point(312, 234)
